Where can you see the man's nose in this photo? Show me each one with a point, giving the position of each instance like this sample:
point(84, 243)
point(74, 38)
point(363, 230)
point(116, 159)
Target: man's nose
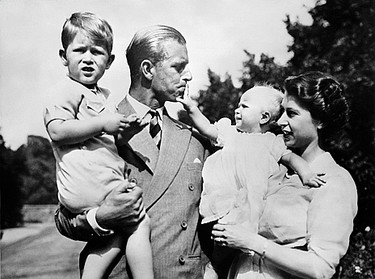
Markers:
point(186, 75)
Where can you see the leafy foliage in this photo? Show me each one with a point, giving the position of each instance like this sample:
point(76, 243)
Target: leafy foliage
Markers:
point(10, 188)
point(359, 262)
point(27, 176)
point(220, 99)
point(266, 71)
point(39, 181)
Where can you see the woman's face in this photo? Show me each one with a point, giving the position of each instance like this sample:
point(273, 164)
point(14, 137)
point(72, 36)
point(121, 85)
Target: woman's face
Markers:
point(299, 128)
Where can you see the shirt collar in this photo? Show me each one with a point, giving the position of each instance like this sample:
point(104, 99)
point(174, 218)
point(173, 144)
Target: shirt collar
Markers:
point(141, 109)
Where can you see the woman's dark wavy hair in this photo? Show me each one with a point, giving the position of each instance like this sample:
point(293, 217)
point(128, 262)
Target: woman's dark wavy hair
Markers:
point(322, 95)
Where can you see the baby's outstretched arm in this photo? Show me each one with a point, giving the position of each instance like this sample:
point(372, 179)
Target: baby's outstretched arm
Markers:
point(73, 131)
point(304, 171)
point(201, 123)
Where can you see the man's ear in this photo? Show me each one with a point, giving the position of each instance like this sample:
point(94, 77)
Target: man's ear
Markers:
point(111, 58)
point(146, 68)
point(62, 55)
point(265, 118)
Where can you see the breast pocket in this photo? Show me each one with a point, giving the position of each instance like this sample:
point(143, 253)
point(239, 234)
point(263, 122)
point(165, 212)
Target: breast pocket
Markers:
point(95, 106)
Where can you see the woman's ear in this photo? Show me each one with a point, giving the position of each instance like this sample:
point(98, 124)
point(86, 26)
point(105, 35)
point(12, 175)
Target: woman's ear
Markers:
point(265, 118)
point(146, 68)
point(111, 58)
point(62, 55)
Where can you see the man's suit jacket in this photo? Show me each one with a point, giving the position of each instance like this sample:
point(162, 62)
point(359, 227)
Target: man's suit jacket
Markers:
point(172, 183)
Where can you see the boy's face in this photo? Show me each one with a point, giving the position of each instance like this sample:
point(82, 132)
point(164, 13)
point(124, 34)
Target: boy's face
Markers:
point(85, 60)
point(249, 112)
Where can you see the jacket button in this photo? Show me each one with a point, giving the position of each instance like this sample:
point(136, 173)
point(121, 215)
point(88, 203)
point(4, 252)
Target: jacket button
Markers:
point(181, 259)
point(184, 225)
point(191, 187)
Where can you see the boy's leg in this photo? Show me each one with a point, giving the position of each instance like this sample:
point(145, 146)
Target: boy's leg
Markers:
point(98, 258)
point(138, 251)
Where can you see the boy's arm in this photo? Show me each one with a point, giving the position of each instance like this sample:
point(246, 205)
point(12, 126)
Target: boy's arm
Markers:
point(302, 168)
point(73, 131)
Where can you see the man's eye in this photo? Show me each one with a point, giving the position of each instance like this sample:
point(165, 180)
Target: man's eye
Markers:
point(179, 68)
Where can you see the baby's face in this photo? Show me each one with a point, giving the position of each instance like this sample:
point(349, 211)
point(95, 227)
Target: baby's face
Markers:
point(86, 61)
point(249, 112)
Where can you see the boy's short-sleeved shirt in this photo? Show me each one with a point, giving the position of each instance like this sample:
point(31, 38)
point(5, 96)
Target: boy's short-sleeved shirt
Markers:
point(87, 171)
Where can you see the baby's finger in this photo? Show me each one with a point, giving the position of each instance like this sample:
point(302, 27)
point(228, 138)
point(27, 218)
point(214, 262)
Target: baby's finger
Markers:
point(187, 92)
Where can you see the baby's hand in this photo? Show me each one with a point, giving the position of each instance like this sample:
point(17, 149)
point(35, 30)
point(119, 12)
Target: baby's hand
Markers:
point(186, 101)
point(314, 180)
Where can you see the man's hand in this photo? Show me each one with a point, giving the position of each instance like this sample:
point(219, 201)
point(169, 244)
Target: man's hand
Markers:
point(121, 208)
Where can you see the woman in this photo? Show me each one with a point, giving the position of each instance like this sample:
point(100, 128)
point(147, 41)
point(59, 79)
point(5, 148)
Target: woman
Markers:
point(303, 231)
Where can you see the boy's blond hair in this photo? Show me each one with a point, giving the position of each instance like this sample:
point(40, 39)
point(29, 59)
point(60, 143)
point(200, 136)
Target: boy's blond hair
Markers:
point(97, 29)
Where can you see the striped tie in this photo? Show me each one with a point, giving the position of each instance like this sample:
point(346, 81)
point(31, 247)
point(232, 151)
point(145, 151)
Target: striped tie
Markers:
point(155, 129)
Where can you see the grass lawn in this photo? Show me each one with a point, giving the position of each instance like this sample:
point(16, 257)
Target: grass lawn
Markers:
point(42, 254)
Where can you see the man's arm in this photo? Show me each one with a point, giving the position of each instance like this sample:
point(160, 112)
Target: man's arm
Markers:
point(120, 209)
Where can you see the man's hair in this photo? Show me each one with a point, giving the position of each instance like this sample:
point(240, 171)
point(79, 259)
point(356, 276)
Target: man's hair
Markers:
point(147, 43)
point(97, 29)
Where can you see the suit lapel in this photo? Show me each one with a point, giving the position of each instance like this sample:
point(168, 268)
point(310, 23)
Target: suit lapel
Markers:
point(141, 143)
point(174, 145)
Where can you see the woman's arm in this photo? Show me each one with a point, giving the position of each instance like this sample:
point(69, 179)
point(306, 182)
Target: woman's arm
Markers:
point(329, 225)
point(294, 261)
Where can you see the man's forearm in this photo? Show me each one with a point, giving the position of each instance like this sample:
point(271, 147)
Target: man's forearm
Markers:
point(73, 226)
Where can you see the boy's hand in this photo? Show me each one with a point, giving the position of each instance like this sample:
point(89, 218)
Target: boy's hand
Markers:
point(314, 180)
point(116, 123)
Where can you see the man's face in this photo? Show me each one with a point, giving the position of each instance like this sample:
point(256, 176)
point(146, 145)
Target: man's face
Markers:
point(171, 75)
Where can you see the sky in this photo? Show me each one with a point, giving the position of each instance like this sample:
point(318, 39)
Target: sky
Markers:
point(216, 31)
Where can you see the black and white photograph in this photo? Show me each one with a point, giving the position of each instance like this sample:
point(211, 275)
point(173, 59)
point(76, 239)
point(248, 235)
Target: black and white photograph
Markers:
point(187, 139)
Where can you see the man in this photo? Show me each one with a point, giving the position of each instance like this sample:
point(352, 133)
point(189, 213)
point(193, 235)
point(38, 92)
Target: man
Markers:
point(167, 165)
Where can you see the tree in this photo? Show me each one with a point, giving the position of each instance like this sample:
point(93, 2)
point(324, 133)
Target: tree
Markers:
point(10, 191)
point(39, 181)
point(266, 71)
point(220, 99)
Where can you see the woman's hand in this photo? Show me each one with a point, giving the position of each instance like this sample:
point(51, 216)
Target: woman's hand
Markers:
point(239, 236)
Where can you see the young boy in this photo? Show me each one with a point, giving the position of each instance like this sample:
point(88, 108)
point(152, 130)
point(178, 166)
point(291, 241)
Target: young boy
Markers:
point(81, 123)
point(236, 177)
